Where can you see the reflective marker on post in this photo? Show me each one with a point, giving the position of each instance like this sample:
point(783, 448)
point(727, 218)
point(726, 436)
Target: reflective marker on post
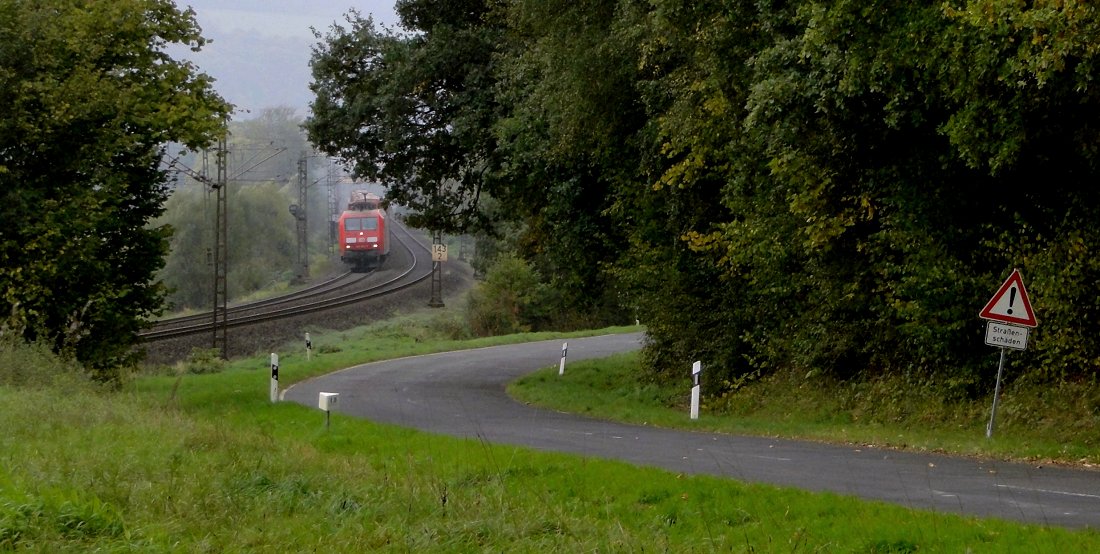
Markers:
point(309, 347)
point(274, 377)
point(696, 369)
point(564, 351)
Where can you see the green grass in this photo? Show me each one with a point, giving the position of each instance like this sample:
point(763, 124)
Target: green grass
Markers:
point(404, 335)
point(204, 463)
point(1034, 423)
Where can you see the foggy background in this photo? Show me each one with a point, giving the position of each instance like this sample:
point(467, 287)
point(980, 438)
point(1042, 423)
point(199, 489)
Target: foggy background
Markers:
point(260, 49)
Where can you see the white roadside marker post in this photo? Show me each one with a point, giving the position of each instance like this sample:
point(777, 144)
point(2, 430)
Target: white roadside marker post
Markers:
point(696, 369)
point(564, 352)
point(274, 377)
point(309, 347)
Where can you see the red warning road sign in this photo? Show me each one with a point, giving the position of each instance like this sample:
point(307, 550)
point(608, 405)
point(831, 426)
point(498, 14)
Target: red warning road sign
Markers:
point(1010, 304)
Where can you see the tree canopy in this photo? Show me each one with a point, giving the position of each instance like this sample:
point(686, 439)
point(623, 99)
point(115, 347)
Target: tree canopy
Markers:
point(412, 112)
point(91, 99)
point(829, 187)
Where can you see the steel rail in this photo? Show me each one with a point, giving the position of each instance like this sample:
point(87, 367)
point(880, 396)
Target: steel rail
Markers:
point(398, 283)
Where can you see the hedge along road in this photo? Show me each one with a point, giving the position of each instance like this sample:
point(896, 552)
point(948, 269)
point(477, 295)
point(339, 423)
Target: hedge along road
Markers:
point(462, 394)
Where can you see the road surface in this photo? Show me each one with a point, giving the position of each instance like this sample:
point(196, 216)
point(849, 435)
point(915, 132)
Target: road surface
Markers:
point(462, 394)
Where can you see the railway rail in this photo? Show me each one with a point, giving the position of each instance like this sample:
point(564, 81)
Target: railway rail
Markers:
point(335, 284)
point(410, 267)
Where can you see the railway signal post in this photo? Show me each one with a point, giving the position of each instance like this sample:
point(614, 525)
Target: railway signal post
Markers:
point(300, 223)
point(439, 255)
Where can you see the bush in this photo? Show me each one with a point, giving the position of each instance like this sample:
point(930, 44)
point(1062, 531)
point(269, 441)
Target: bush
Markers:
point(34, 364)
point(507, 301)
point(204, 360)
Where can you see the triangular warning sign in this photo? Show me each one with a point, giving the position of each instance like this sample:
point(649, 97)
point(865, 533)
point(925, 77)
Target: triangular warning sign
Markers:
point(1010, 304)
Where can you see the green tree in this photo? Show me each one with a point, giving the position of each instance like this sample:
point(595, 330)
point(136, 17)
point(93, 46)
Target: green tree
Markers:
point(822, 186)
point(261, 242)
point(701, 172)
point(91, 99)
point(915, 153)
point(188, 271)
point(412, 111)
point(508, 300)
point(1026, 106)
point(569, 132)
point(261, 237)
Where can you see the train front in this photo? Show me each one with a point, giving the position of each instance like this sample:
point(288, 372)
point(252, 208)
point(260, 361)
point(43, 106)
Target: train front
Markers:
point(362, 239)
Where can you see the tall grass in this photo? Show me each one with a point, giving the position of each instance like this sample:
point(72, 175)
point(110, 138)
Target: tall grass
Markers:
point(218, 468)
point(34, 365)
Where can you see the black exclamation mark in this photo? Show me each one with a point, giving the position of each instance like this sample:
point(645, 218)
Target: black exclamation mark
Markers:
point(1011, 299)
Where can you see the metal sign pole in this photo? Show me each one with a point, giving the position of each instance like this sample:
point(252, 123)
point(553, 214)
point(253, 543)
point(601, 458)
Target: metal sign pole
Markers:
point(996, 395)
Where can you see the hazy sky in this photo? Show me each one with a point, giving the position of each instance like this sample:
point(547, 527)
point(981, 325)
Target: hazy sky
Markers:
point(283, 17)
point(260, 49)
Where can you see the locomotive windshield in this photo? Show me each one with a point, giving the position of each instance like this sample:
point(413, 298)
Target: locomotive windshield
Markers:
point(361, 224)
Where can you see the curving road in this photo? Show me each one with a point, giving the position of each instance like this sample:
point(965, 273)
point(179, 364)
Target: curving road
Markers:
point(462, 394)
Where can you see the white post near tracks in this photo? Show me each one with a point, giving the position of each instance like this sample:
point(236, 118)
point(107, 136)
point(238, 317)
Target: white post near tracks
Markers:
point(309, 347)
point(274, 377)
point(696, 369)
point(564, 352)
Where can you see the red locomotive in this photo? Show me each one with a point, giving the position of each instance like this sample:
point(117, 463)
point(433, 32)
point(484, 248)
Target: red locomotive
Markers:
point(364, 230)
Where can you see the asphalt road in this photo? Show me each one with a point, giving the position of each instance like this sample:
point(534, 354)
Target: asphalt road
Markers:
point(462, 394)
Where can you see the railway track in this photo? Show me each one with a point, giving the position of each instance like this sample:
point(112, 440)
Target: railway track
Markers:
point(410, 267)
point(318, 290)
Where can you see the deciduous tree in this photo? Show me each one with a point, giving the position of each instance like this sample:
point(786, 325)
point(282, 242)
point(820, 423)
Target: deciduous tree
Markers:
point(412, 111)
point(91, 99)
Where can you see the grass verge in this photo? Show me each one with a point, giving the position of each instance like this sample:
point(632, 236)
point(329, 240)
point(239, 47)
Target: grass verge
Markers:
point(1034, 423)
point(206, 464)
